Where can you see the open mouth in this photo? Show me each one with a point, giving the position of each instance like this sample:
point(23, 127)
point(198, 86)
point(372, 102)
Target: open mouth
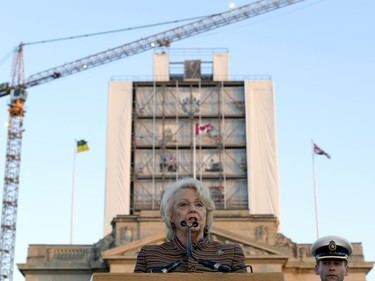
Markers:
point(191, 220)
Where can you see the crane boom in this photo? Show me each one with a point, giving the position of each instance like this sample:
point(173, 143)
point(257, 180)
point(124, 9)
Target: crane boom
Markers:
point(18, 97)
point(160, 39)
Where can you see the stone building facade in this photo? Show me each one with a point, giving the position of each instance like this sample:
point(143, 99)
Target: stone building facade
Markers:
point(265, 249)
point(207, 126)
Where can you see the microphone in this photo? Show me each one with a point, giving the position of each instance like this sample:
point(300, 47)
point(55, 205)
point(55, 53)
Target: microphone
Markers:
point(168, 268)
point(214, 265)
point(184, 224)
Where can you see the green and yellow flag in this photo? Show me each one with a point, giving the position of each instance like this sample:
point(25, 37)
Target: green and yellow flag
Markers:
point(82, 146)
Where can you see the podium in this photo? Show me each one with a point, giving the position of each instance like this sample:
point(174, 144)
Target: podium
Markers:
point(210, 276)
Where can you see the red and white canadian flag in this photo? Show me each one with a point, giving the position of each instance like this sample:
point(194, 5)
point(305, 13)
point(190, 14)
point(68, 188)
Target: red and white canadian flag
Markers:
point(201, 129)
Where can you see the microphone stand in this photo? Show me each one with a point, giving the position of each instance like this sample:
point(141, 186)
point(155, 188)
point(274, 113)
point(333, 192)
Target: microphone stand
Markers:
point(188, 250)
point(207, 263)
point(171, 266)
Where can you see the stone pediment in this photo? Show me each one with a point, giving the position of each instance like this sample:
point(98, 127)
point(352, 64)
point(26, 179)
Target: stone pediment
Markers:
point(132, 248)
point(249, 246)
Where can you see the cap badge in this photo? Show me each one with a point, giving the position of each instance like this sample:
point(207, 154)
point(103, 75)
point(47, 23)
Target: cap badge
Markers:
point(332, 246)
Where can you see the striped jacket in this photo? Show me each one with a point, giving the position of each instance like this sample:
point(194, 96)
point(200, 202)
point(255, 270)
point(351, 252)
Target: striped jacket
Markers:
point(152, 258)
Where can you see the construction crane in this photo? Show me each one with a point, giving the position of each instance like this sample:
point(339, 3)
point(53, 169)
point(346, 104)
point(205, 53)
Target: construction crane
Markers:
point(18, 94)
point(12, 167)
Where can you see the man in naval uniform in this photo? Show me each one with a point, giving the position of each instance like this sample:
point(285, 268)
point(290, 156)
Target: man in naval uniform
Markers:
point(332, 255)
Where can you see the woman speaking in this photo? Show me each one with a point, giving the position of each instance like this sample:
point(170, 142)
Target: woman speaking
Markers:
point(187, 211)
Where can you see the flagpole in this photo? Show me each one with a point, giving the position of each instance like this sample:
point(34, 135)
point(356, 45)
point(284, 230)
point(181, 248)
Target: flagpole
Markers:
point(73, 191)
point(316, 192)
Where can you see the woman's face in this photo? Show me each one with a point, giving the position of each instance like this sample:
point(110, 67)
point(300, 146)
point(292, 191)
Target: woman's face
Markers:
point(190, 208)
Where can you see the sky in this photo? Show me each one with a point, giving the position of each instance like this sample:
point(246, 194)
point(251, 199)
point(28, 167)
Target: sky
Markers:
point(320, 55)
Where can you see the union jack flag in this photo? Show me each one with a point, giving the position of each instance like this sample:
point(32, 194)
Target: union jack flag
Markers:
point(319, 151)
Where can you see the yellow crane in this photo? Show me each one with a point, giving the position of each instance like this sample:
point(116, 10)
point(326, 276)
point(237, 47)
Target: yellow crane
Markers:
point(18, 95)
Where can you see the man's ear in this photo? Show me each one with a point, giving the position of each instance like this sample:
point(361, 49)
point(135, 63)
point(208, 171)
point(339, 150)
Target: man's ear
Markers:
point(347, 268)
point(317, 269)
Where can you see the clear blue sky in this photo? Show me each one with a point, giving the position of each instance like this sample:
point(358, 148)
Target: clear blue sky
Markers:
point(320, 55)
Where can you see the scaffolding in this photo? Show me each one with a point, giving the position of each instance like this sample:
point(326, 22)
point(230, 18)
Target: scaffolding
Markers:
point(193, 124)
point(189, 126)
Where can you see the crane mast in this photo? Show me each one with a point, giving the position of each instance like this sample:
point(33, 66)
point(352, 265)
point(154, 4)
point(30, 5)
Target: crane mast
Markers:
point(17, 90)
point(10, 192)
point(12, 167)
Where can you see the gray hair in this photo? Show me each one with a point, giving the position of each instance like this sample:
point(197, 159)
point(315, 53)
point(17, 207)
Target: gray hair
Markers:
point(168, 200)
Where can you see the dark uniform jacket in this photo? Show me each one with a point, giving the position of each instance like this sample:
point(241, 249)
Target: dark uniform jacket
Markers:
point(152, 258)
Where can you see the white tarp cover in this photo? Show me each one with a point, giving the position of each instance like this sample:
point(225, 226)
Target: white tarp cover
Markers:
point(117, 193)
point(262, 147)
point(221, 67)
point(161, 67)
